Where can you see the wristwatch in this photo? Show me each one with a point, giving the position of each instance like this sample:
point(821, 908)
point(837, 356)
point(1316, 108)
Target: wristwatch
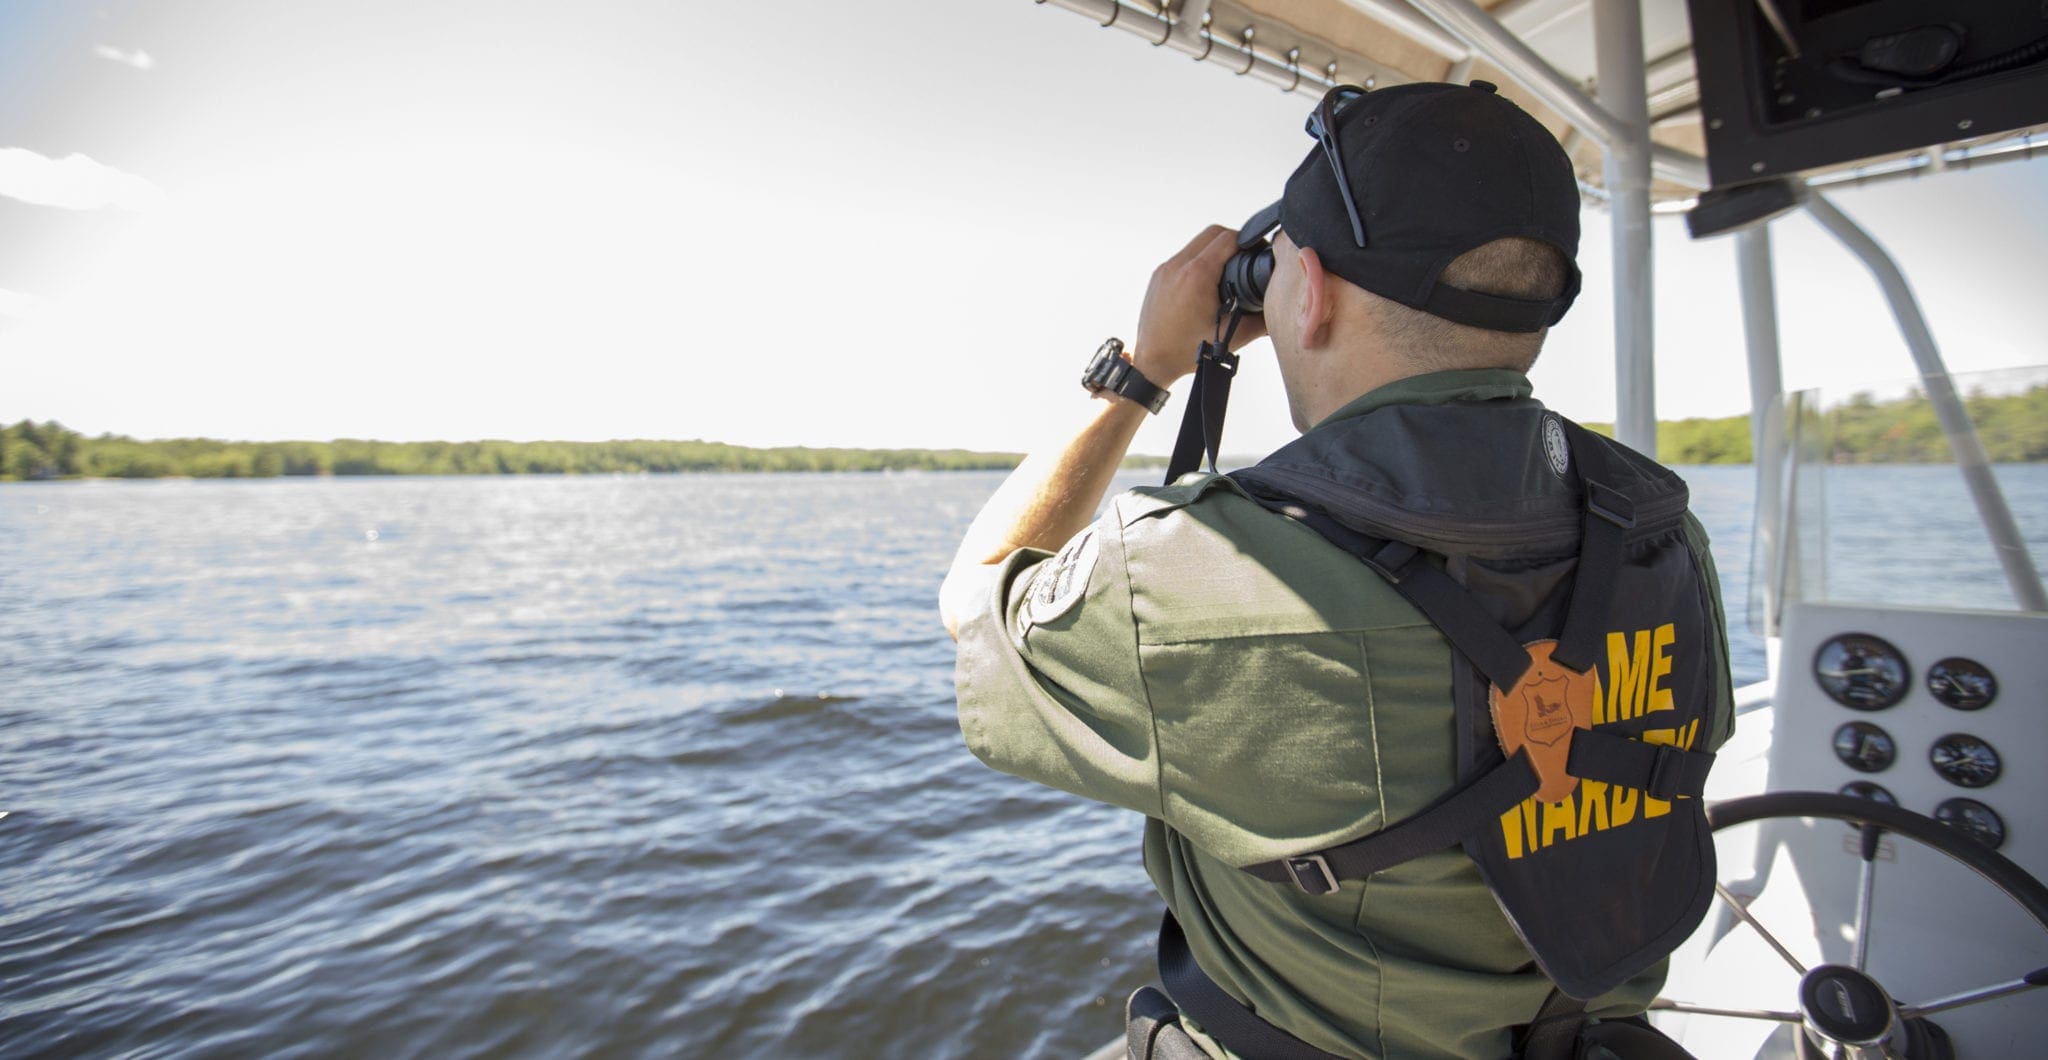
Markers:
point(1109, 371)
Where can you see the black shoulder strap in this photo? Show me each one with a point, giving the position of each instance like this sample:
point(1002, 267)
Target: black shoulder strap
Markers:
point(1451, 819)
point(1609, 515)
point(1221, 1016)
point(1660, 770)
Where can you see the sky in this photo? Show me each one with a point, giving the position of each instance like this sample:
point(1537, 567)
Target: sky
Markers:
point(875, 224)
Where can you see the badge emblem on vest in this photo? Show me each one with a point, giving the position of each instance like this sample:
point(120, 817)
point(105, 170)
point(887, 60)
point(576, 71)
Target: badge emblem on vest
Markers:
point(1540, 714)
point(1554, 448)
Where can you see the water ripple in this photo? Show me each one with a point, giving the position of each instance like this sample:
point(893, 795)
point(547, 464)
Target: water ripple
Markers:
point(661, 765)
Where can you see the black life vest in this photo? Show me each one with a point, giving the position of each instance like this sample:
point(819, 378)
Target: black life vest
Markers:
point(1507, 525)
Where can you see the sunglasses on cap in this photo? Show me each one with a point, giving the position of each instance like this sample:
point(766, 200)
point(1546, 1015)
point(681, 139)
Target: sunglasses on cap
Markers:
point(1322, 124)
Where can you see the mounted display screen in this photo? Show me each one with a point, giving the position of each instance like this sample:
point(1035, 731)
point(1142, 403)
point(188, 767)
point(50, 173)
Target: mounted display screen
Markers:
point(1792, 85)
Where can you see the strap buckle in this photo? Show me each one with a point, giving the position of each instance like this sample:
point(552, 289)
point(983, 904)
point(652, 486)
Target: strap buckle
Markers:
point(1218, 354)
point(1610, 504)
point(1311, 873)
point(1667, 772)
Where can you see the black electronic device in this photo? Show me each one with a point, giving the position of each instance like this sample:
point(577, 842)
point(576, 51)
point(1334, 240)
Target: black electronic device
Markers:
point(1965, 760)
point(1793, 85)
point(1964, 684)
point(1974, 819)
point(1243, 283)
point(1861, 671)
point(1109, 370)
point(1864, 789)
point(1865, 747)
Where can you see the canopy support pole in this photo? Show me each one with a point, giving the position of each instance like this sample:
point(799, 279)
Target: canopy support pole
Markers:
point(1618, 51)
point(2006, 541)
point(1767, 413)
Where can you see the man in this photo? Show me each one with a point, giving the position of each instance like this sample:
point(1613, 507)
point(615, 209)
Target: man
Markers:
point(1259, 694)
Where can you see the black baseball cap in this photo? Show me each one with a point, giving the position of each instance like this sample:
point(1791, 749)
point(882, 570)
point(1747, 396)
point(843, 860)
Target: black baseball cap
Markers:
point(1437, 170)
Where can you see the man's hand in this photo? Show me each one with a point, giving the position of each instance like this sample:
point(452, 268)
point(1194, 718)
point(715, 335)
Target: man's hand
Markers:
point(1180, 309)
point(1054, 492)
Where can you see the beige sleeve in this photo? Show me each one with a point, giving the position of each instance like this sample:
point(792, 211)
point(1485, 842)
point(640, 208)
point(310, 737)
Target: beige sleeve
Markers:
point(1047, 675)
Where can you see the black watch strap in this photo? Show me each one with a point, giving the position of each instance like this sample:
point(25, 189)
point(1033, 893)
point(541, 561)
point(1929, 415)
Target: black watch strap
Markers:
point(1109, 371)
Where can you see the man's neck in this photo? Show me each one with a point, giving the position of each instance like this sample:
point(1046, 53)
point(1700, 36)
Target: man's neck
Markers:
point(1348, 379)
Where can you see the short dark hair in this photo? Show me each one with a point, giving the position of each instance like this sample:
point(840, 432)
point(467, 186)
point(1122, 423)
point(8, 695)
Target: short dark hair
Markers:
point(1514, 267)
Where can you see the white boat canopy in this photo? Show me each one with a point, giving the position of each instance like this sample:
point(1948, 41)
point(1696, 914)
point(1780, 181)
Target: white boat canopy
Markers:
point(1615, 81)
point(1543, 54)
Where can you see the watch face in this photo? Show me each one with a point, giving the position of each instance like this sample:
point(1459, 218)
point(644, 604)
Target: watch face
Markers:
point(1974, 819)
point(1861, 671)
point(1864, 747)
point(1964, 684)
point(1864, 789)
point(1103, 365)
point(1964, 760)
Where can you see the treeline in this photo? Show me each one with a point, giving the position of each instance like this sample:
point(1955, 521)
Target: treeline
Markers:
point(2013, 428)
point(30, 450)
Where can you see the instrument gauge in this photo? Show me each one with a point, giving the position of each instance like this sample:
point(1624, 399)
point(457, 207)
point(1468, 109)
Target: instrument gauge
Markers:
point(1863, 672)
point(1973, 819)
point(1964, 760)
point(1864, 789)
point(1964, 684)
point(1865, 748)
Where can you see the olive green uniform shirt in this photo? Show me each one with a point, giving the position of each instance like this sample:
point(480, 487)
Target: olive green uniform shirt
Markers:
point(1256, 692)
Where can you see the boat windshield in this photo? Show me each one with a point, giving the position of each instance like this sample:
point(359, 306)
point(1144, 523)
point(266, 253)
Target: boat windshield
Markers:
point(1877, 505)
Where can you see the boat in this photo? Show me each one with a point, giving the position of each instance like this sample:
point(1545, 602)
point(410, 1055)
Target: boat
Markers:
point(1877, 822)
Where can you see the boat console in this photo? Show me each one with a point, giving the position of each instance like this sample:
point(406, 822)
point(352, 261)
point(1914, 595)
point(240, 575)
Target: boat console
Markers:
point(1936, 712)
point(1877, 817)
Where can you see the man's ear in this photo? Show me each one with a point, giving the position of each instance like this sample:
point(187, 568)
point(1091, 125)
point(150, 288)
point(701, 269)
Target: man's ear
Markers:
point(1315, 305)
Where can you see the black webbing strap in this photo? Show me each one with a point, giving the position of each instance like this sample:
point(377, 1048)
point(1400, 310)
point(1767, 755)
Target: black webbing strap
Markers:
point(1448, 606)
point(1219, 1015)
point(1659, 770)
point(1450, 820)
point(1201, 426)
point(1554, 1033)
point(1609, 516)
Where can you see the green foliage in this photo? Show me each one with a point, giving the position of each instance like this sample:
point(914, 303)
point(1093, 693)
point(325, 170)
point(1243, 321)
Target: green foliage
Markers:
point(1696, 441)
point(2013, 428)
point(30, 450)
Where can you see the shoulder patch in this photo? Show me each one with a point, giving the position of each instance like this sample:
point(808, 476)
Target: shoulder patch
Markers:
point(1060, 582)
point(1554, 448)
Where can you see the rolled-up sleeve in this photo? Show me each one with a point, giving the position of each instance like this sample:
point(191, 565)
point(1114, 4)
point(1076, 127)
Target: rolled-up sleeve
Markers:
point(1048, 678)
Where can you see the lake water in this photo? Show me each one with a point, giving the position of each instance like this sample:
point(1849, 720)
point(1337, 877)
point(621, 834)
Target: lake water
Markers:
point(660, 765)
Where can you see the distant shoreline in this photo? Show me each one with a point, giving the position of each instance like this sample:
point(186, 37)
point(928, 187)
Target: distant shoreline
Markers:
point(31, 451)
point(2013, 427)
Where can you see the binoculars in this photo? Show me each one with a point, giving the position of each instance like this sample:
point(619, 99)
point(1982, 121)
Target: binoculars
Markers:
point(1242, 286)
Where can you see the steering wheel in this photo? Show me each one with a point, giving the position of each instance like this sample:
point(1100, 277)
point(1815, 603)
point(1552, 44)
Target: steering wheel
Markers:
point(1843, 1010)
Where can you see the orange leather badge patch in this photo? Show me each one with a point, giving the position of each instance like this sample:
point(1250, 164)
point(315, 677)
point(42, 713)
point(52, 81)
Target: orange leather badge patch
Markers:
point(1540, 713)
